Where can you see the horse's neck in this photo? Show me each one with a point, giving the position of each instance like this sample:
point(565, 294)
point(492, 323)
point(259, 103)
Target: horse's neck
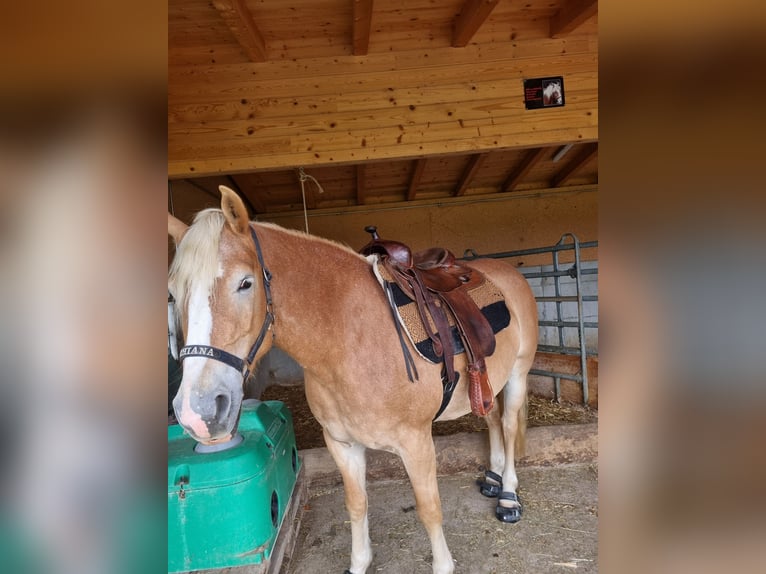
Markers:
point(312, 283)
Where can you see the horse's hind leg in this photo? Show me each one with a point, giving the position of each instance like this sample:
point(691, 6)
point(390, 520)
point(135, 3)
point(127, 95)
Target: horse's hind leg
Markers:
point(514, 426)
point(419, 457)
point(351, 461)
point(491, 484)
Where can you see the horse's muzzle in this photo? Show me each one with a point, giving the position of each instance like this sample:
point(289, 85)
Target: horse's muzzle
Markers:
point(207, 416)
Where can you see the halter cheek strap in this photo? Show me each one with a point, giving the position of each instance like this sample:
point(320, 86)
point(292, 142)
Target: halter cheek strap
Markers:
point(241, 365)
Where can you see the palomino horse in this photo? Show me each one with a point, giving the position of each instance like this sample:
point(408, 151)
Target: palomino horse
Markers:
point(236, 281)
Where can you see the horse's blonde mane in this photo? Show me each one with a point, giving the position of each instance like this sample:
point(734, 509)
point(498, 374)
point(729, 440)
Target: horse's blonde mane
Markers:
point(196, 256)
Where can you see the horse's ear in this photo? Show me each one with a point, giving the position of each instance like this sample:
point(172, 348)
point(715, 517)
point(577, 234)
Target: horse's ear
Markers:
point(234, 210)
point(176, 228)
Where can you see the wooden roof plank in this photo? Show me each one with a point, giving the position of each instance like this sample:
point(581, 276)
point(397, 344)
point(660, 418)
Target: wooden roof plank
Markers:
point(240, 21)
point(532, 158)
point(473, 167)
point(472, 16)
point(583, 157)
point(362, 24)
point(417, 175)
point(571, 14)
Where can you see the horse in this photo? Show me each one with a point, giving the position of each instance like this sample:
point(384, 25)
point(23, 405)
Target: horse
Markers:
point(244, 286)
point(552, 94)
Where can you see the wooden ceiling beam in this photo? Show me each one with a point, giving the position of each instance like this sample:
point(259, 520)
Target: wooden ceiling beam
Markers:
point(203, 189)
point(571, 14)
point(473, 167)
point(587, 153)
point(256, 205)
point(361, 183)
point(417, 175)
point(240, 21)
point(362, 24)
point(472, 16)
point(531, 159)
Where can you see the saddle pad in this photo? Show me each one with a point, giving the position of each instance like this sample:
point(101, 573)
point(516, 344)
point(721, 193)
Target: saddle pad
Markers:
point(486, 296)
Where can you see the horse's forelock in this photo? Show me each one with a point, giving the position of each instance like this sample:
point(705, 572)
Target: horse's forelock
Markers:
point(196, 259)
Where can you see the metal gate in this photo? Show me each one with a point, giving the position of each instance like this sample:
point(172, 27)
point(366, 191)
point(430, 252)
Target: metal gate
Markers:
point(557, 271)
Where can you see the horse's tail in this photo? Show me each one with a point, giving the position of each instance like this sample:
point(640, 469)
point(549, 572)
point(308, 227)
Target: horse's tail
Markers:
point(520, 445)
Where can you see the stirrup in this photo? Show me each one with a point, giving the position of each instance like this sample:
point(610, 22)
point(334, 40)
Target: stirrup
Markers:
point(488, 489)
point(508, 514)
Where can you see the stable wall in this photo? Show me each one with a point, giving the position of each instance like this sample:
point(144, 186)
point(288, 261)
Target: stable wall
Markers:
point(487, 226)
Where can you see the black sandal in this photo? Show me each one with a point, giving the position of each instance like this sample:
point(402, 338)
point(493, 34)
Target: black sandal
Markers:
point(489, 489)
point(509, 514)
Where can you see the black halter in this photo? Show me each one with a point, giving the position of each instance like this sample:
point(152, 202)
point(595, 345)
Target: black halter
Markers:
point(242, 365)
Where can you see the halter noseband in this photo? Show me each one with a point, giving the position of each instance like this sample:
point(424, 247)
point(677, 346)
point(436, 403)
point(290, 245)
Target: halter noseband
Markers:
point(242, 365)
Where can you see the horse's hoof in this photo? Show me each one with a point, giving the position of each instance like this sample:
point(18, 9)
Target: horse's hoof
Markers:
point(490, 489)
point(508, 514)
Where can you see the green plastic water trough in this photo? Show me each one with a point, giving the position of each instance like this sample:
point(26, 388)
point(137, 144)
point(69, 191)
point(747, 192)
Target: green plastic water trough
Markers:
point(225, 508)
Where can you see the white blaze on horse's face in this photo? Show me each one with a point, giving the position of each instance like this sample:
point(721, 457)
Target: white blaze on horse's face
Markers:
point(219, 313)
point(194, 414)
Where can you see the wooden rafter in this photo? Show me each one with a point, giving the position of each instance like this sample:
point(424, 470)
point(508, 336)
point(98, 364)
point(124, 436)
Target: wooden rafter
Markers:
point(240, 21)
point(417, 174)
point(584, 156)
point(255, 205)
point(203, 189)
point(473, 167)
point(472, 16)
point(531, 159)
point(571, 14)
point(362, 23)
point(361, 183)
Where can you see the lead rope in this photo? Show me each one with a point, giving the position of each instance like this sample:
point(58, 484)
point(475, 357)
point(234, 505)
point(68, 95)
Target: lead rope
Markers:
point(303, 176)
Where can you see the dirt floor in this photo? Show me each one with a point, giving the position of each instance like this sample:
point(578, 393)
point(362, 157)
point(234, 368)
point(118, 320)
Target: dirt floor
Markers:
point(558, 532)
point(558, 487)
point(541, 412)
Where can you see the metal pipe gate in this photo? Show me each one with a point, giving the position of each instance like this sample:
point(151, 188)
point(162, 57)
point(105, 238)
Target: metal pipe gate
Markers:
point(575, 272)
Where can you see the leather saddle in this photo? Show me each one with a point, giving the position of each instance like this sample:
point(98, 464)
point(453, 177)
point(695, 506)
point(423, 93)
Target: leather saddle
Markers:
point(439, 285)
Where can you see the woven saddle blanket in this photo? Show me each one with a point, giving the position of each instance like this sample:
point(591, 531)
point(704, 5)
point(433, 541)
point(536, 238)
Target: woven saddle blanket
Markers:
point(487, 297)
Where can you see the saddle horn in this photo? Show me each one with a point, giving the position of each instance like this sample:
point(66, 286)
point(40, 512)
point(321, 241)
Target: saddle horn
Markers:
point(372, 230)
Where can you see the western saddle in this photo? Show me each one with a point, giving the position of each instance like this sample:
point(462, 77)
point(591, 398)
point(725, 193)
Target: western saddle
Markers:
point(436, 282)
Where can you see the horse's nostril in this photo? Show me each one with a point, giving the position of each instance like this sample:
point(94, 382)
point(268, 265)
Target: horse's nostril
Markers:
point(222, 404)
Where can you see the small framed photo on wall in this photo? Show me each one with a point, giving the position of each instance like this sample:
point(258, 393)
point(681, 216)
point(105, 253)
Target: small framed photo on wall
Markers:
point(544, 92)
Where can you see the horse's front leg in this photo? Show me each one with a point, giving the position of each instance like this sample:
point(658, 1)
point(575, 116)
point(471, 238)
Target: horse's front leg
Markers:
point(351, 461)
point(419, 457)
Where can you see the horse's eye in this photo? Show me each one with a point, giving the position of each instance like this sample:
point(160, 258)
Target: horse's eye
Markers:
point(245, 284)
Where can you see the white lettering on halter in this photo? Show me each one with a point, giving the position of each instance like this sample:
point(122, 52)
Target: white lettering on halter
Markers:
point(197, 351)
